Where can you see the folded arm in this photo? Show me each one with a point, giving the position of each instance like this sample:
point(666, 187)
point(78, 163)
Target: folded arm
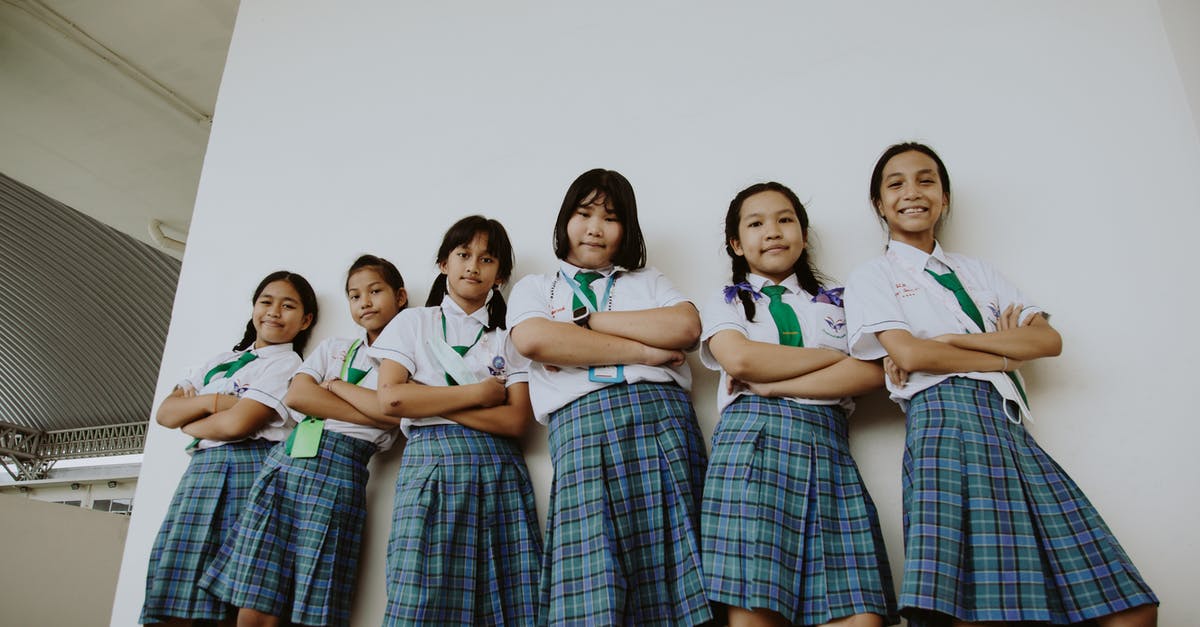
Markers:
point(245, 418)
point(308, 397)
point(761, 362)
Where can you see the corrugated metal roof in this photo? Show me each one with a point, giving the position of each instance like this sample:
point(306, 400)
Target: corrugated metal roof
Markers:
point(84, 311)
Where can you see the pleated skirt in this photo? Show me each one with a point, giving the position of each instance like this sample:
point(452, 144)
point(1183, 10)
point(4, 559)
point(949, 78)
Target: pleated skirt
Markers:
point(294, 552)
point(622, 539)
point(786, 522)
point(465, 540)
point(202, 513)
point(994, 529)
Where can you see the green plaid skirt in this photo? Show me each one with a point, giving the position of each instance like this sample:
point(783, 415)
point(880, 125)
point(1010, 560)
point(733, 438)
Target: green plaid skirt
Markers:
point(786, 522)
point(203, 511)
point(294, 551)
point(622, 540)
point(465, 540)
point(994, 529)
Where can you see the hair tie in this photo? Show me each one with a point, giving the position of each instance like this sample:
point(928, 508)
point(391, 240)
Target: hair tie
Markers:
point(829, 297)
point(731, 291)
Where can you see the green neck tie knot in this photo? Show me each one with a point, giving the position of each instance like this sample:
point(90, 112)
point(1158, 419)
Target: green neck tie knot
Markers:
point(584, 279)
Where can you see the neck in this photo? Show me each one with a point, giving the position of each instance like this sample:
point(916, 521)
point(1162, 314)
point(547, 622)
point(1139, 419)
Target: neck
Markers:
point(261, 344)
point(921, 241)
point(468, 306)
point(775, 278)
point(371, 335)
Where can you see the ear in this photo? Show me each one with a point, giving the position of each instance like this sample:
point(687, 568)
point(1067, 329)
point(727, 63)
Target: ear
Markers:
point(878, 210)
point(401, 298)
point(441, 266)
point(499, 284)
point(307, 322)
point(736, 245)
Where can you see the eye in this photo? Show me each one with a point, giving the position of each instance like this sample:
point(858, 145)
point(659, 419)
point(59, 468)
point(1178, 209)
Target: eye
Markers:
point(893, 185)
point(462, 255)
point(611, 218)
point(753, 224)
point(486, 259)
point(376, 291)
point(787, 219)
point(288, 306)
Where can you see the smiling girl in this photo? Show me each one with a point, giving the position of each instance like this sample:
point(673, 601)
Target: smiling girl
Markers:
point(465, 541)
point(995, 530)
point(790, 533)
point(607, 336)
point(233, 406)
point(294, 554)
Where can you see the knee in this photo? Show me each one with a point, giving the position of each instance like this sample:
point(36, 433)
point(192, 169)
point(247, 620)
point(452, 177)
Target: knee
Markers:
point(254, 618)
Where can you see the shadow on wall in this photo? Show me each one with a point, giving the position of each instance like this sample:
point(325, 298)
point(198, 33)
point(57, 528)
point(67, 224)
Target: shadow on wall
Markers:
point(61, 563)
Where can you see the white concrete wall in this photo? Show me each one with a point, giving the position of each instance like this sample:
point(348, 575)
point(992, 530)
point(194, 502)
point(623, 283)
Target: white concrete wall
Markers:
point(60, 563)
point(360, 126)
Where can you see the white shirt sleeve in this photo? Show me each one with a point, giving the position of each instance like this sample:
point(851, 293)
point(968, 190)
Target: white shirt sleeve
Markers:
point(317, 363)
point(871, 307)
point(270, 385)
point(398, 340)
point(528, 300)
point(718, 316)
point(1007, 293)
point(517, 367)
point(664, 292)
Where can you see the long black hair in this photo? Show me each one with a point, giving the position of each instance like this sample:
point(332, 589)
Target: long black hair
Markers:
point(616, 190)
point(898, 149)
point(308, 302)
point(498, 246)
point(806, 275)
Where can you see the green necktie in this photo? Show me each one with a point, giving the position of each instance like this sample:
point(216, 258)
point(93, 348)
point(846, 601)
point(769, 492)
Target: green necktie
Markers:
point(461, 350)
point(230, 367)
point(950, 281)
point(584, 279)
point(785, 317)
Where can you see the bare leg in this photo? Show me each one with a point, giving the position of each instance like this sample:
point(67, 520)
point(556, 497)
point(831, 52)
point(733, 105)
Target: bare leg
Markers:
point(1140, 616)
point(253, 618)
point(742, 617)
point(857, 620)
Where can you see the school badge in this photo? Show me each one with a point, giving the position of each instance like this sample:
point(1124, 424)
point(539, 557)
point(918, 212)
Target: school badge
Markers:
point(497, 367)
point(835, 327)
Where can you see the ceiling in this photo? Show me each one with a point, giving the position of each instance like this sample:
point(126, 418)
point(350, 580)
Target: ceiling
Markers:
point(105, 110)
point(106, 106)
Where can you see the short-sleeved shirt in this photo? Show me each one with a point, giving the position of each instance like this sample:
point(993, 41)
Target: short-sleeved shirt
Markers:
point(895, 292)
point(407, 341)
point(264, 380)
point(822, 325)
point(549, 296)
point(325, 363)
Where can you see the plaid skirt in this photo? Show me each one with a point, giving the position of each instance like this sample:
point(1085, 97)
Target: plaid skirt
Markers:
point(786, 522)
point(622, 539)
point(465, 540)
point(203, 512)
point(294, 551)
point(994, 529)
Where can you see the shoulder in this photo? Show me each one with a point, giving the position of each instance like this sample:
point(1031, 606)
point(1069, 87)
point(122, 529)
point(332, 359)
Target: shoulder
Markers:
point(870, 271)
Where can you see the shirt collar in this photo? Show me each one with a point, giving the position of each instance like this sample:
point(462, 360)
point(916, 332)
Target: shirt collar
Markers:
point(917, 257)
point(570, 270)
point(451, 309)
point(791, 284)
point(272, 350)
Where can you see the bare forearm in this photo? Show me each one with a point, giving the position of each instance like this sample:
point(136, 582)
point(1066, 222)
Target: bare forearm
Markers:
point(512, 419)
point(671, 328)
point(310, 399)
point(177, 411)
point(241, 421)
point(567, 344)
point(913, 354)
point(365, 400)
point(1023, 343)
point(414, 400)
point(763, 362)
point(848, 377)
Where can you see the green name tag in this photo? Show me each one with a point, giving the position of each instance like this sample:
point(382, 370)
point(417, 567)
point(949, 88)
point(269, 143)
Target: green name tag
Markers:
point(305, 439)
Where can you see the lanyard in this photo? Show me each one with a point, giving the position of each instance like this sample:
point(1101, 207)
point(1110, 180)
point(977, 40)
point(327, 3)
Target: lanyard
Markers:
point(583, 297)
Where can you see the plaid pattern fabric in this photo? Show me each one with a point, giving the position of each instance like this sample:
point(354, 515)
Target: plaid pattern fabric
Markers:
point(465, 539)
point(622, 540)
point(202, 513)
point(994, 529)
point(294, 551)
point(786, 521)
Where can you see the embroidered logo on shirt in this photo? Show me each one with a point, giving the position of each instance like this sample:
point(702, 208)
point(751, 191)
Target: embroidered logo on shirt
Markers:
point(904, 291)
point(239, 389)
point(837, 327)
point(995, 310)
point(497, 367)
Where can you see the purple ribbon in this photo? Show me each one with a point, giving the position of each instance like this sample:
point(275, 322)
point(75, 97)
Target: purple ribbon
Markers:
point(829, 297)
point(731, 291)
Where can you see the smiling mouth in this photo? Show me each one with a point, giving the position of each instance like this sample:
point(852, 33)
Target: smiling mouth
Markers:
point(909, 211)
point(775, 249)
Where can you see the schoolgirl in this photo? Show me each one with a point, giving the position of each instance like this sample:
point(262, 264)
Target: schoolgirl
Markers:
point(607, 336)
point(294, 552)
point(994, 529)
point(465, 541)
point(233, 407)
point(790, 534)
